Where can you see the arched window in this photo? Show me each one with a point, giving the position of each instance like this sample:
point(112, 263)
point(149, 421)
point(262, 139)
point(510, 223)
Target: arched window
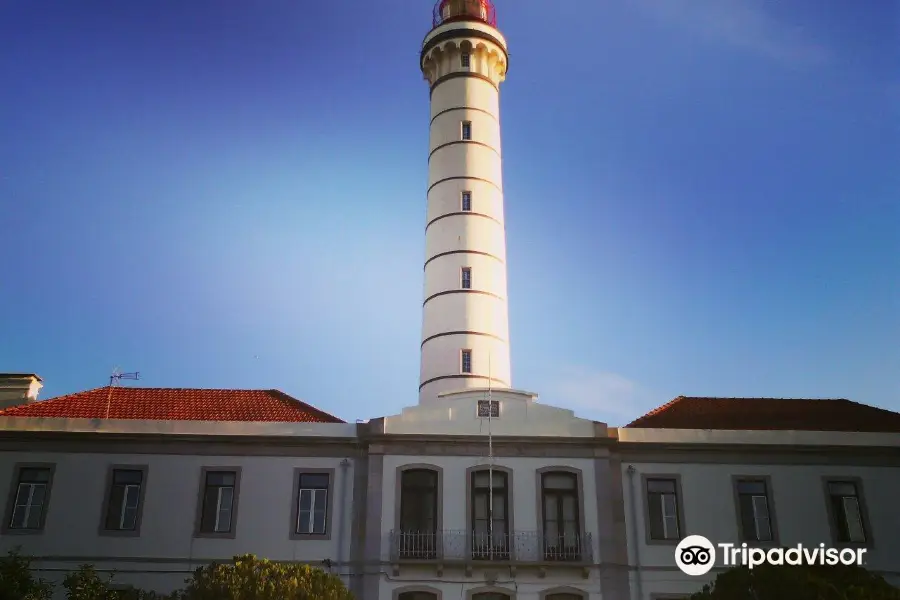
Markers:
point(561, 516)
point(418, 513)
point(490, 596)
point(417, 595)
point(490, 514)
point(563, 596)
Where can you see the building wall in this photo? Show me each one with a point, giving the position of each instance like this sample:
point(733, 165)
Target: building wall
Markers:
point(166, 541)
point(797, 499)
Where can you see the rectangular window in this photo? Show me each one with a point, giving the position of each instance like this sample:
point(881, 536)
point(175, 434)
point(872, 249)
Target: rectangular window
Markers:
point(561, 518)
point(490, 525)
point(123, 500)
point(662, 503)
point(846, 512)
point(466, 278)
point(465, 361)
point(467, 130)
point(418, 536)
point(30, 500)
point(466, 201)
point(312, 503)
point(465, 60)
point(488, 408)
point(218, 502)
point(755, 515)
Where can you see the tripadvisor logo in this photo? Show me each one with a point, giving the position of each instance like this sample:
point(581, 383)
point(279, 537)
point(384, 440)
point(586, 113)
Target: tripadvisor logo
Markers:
point(695, 555)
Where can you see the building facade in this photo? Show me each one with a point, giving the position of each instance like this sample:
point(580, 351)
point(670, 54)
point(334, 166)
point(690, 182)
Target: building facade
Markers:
point(477, 492)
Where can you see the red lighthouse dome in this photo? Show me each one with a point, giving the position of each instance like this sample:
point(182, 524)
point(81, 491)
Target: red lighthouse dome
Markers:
point(465, 10)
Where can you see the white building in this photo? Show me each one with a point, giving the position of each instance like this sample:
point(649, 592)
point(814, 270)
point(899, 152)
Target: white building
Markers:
point(477, 492)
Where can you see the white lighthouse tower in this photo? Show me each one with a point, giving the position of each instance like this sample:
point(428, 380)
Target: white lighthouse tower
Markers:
point(465, 322)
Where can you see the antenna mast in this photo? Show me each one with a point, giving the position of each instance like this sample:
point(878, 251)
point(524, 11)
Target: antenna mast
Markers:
point(114, 380)
point(490, 465)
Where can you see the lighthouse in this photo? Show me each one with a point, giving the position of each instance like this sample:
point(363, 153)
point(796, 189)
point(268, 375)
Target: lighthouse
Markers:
point(465, 319)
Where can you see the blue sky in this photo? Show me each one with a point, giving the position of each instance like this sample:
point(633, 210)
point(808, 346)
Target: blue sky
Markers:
point(702, 198)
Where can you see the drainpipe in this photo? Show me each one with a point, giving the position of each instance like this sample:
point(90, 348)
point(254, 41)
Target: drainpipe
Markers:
point(342, 512)
point(632, 496)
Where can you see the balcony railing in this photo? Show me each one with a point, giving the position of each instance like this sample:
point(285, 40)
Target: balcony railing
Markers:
point(519, 546)
point(450, 10)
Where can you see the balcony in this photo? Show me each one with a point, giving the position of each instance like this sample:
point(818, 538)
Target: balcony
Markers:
point(446, 11)
point(517, 548)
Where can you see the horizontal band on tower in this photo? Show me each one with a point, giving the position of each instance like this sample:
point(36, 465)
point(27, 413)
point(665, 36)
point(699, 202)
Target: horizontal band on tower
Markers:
point(456, 74)
point(446, 333)
point(461, 33)
point(481, 110)
point(444, 293)
point(464, 213)
point(455, 142)
point(480, 253)
point(445, 179)
point(464, 376)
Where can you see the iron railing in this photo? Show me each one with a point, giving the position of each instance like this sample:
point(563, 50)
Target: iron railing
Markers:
point(449, 10)
point(519, 546)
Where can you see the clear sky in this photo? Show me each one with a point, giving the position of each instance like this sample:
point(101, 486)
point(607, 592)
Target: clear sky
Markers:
point(702, 197)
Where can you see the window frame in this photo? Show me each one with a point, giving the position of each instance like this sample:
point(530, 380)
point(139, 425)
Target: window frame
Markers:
point(465, 60)
point(438, 507)
point(416, 589)
point(863, 511)
point(473, 593)
point(330, 499)
point(463, 195)
point(770, 505)
point(679, 508)
point(509, 509)
point(463, 271)
point(107, 498)
point(235, 504)
point(15, 481)
point(462, 131)
point(462, 361)
point(571, 591)
point(580, 506)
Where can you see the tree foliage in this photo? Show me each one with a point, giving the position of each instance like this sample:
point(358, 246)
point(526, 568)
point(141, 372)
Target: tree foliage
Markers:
point(250, 578)
point(808, 582)
point(18, 583)
point(245, 578)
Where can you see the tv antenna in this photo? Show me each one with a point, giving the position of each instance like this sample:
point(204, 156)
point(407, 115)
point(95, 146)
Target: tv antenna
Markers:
point(114, 380)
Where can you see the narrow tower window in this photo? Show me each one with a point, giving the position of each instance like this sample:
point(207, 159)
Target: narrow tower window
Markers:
point(466, 201)
point(465, 361)
point(466, 278)
point(465, 60)
point(467, 130)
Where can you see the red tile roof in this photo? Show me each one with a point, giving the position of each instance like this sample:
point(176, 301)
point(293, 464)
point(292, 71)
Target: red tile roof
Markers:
point(175, 404)
point(769, 414)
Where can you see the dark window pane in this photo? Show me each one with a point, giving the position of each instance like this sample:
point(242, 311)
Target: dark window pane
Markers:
point(748, 523)
point(558, 481)
point(663, 486)
point(417, 596)
point(419, 478)
point(657, 531)
point(116, 499)
point(123, 476)
point(223, 478)
point(34, 475)
point(842, 488)
point(210, 504)
point(312, 481)
point(482, 479)
point(752, 487)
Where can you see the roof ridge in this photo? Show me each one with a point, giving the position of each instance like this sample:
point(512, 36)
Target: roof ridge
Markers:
point(659, 409)
point(279, 395)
